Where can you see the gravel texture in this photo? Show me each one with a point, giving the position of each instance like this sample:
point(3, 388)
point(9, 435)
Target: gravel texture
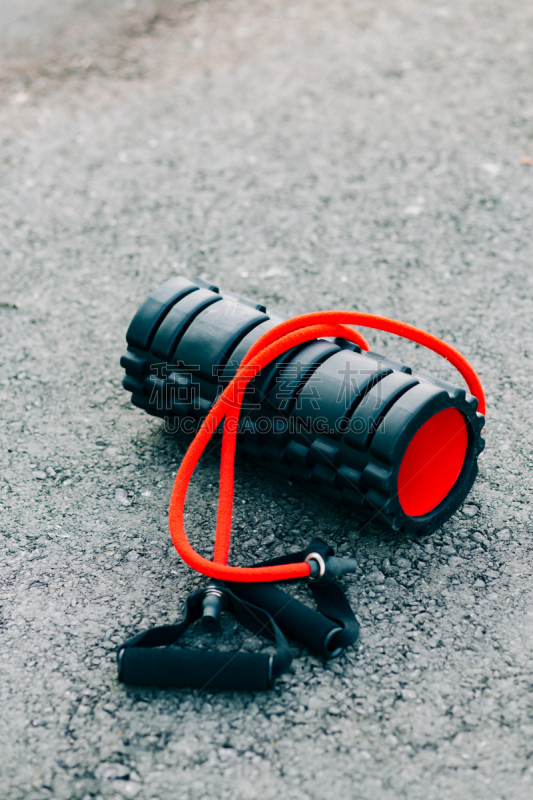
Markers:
point(312, 155)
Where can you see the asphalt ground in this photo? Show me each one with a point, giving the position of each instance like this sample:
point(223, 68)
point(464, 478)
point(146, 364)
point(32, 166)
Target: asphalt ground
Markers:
point(312, 155)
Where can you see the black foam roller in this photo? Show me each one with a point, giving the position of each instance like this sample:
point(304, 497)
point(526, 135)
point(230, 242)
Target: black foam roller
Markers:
point(399, 448)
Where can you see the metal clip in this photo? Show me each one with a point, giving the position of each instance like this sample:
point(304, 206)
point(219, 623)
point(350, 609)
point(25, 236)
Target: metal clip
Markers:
point(333, 567)
point(317, 565)
point(213, 603)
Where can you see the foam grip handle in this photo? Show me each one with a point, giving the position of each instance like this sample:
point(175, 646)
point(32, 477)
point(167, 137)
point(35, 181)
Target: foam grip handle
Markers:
point(296, 620)
point(175, 668)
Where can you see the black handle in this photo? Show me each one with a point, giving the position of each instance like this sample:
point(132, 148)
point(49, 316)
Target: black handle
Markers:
point(173, 667)
point(296, 620)
point(154, 658)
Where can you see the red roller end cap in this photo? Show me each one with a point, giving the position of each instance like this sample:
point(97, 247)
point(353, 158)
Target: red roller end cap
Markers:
point(432, 462)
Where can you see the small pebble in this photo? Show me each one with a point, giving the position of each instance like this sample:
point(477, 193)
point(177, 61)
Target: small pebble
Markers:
point(455, 561)
point(122, 497)
point(470, 511)
point(402, 563)
point(39, 474)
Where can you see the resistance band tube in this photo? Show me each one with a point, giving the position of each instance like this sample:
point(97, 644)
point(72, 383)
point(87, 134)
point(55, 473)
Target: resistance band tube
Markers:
point(272, 344)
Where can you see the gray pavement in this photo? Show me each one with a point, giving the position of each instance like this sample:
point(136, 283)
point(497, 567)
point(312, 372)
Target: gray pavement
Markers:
point(311, 154)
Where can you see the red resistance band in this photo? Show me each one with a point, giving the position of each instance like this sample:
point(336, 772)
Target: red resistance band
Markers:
point(272, 344)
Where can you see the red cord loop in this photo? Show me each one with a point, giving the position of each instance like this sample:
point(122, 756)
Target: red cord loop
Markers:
point(228, 406)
